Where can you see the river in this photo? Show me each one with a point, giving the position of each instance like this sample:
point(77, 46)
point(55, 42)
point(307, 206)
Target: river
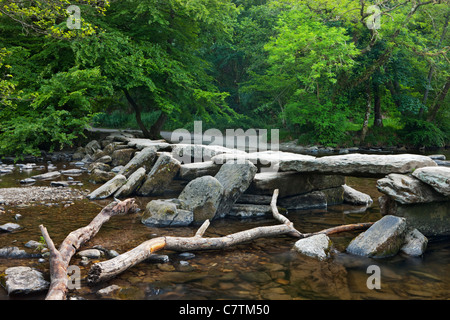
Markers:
point(263, 269)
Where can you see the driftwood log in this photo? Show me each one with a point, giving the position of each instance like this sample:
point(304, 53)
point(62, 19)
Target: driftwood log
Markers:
point(105, 270)
point(60, 258)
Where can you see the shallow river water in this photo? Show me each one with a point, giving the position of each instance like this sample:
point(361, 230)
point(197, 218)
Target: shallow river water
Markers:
point(263, 269)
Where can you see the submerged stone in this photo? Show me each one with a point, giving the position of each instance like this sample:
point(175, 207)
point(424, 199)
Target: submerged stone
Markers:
point(318, 246)
point(383, 239)
point(24, 280)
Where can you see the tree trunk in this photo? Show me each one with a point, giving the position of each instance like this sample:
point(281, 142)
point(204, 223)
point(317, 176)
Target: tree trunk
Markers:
point(378, 116)
point(137, 112)
point(438, 102)
point(431, 72)
point(60, 259)
point(365, 127)
point(155, 130)
point(105, 270)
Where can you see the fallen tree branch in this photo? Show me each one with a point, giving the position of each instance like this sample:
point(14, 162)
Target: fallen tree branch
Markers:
point(60, 259)
point(106, 270)
point(339, 229)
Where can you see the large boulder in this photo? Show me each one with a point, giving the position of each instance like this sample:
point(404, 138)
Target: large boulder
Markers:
point(383, 239)
point(355, 164)
point(431, 219)
point(265, 161)
point(162, 173)
point(100, 166)
point(235, 179)
point(24, 280)
point(191, 171)
point(92, 147)
point(317, 246)
point(145, 158)
point(166, 213)
point(99, 176)
point(203, 197)
point(292, 183)
point(196, 153)
point(407, 189)
point(122, 156)
point(133, 183)
point(140, 144)
point(437, 177)
point(312, 200)
point(109, 188)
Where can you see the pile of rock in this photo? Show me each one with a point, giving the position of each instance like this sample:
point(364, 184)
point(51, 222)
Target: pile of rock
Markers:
point(423, 197)
point(385, 238)
point(210, 181)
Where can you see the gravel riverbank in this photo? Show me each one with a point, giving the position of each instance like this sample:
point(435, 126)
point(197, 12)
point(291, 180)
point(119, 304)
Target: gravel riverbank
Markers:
point(40, 195)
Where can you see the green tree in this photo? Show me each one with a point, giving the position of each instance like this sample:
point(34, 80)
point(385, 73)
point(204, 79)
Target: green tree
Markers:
point(157, 61)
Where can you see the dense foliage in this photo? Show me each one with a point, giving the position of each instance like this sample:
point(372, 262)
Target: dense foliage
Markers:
point(328, 72)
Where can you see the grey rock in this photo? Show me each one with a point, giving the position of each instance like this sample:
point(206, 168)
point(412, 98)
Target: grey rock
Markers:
point(72, 172)
point(87, 159)
point(431, 219)
point(202, 197)
point(16, 253)
point(92, 147)
point(247, 198)
point(117, 169)
point(163, 172)
point(47, 176)
point(99, 176)
point(9, 227)
point(318, 246)
point(438, 157)
point(292, 183)
point(407, 189)
point(28, 181)
point(442, 163)
point(267, 161)
point(109, 292)
point(197, 153)
point(186, 255)
point(415, 243)
point(437, 177)
point(235, 178)
point(312, 200)
point(140, 144)
point(145, 158)
point(366, 165)
point(195, 170)
point(104, 159)
point(100, 166)
point(122, 157)
point(158, 258)
point(108, 189)
point(133, 183)
point(24, 280)
point(383, 239)
point(356, 197)
point(166, 213)
point(90, 253)
point(32, 244)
